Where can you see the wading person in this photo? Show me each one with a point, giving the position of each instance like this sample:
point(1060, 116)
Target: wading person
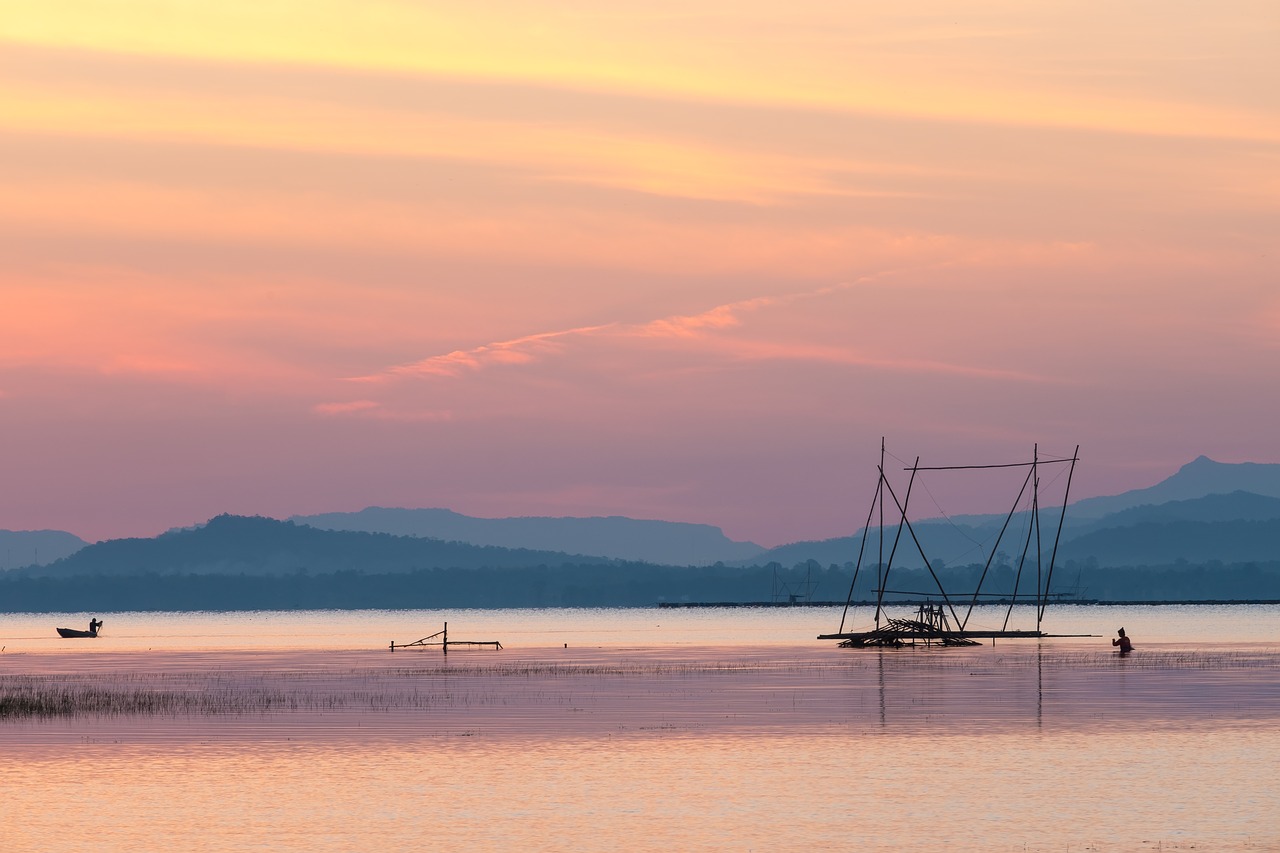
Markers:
point(1123, 641)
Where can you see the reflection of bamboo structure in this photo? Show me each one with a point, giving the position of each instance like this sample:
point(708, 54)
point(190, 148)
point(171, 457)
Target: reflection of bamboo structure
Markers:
point(931, 622)
point(444, 642)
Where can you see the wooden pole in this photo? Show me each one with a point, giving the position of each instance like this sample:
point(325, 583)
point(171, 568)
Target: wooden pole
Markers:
point(880, 579)
point(902, 509)
point(862, 547)
point(1065, 496)
point(994, 548)
point(1040, 550)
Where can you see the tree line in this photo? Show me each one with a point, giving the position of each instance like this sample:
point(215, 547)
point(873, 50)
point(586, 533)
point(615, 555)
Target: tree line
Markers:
point(616, 584)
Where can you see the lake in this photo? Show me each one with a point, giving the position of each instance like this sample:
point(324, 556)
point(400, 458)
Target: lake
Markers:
point(638, 729)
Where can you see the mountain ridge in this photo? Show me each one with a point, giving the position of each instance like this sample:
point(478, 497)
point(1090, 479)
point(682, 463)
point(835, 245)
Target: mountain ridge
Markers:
point(36, 547)
point(1200, 477)
point(617, 537)
point(259, 546)
point(1220, 493)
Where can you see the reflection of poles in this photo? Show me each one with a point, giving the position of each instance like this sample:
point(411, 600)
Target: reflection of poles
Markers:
point(1039, 684)
point(882, 714)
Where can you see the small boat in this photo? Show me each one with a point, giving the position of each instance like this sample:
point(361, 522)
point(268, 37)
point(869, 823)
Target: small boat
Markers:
point(94, 625)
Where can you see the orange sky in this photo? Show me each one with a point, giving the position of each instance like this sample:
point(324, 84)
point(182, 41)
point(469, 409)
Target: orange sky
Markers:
point(668, 260)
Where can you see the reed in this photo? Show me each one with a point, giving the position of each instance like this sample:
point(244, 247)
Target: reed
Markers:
point(539, 684)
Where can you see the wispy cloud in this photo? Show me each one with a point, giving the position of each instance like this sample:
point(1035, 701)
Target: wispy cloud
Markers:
point(347, 408)
point(516, 351)
point(707, 329)
point(529, 348)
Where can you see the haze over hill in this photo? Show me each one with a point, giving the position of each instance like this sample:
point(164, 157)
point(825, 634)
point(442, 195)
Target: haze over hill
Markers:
point(660, 542)
point(1223, 524)
point(240, 545)
point(36, 547)
point(1224, 544)
point(1202, 476)
point(1141, 524)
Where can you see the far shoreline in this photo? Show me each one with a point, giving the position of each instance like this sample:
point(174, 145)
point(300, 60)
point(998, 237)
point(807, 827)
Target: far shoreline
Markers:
point(661, 605)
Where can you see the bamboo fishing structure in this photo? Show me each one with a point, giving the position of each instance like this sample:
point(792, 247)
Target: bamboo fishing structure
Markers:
point(942, 622)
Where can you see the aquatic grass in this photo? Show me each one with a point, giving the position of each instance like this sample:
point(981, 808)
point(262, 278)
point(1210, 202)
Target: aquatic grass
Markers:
point(441, 686)
point(62, 700)
point(193, 694)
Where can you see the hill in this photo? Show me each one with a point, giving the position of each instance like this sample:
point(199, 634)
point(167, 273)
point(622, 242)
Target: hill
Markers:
point(1137, 527)
point(1196, 479)
point(36, 547)
point(237, 545)
point(659, 542)
point(1152, 543)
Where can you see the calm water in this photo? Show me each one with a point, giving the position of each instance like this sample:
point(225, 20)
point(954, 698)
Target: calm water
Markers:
point(641, 730)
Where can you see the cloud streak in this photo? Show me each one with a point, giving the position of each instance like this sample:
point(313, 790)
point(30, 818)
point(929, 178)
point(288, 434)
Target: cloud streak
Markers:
point(522, 350)
point(706, 330)
point(530, 348)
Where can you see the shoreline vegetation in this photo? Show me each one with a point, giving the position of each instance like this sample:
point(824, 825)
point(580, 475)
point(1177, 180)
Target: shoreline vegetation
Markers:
point(617, 584)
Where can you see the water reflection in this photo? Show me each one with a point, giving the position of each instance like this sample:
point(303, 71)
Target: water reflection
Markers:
point(301, 745)
point(634, 691)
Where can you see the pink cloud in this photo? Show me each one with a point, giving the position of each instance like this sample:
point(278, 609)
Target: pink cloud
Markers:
point(345, 408)
point(704, 330)
point(517, 351)
point(529, 348)
point(376, 411)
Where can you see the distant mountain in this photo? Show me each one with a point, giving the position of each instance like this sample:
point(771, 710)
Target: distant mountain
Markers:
point(236, 545)
point(1154, 543)
point(1217, 516)
point(1196, 479)
point(659, 542)
point(1236, 506)
point(36, 547)
point(1219, 521)
point(952, 542)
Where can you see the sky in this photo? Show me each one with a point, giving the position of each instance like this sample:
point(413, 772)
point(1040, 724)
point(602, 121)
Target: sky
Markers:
point(676, 260)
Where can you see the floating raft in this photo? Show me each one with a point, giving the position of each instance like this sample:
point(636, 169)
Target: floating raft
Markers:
point(903, 632)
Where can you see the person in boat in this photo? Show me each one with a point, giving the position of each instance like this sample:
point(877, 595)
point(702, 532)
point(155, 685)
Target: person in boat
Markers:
point(1123, 641)
point(94, 625)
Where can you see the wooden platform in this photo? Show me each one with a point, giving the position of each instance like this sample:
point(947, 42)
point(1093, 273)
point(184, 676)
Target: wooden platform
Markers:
point(890, 637)
point(938, 635)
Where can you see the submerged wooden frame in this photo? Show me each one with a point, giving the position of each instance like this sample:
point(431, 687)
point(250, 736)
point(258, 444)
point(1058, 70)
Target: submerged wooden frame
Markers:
point(444, 643)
